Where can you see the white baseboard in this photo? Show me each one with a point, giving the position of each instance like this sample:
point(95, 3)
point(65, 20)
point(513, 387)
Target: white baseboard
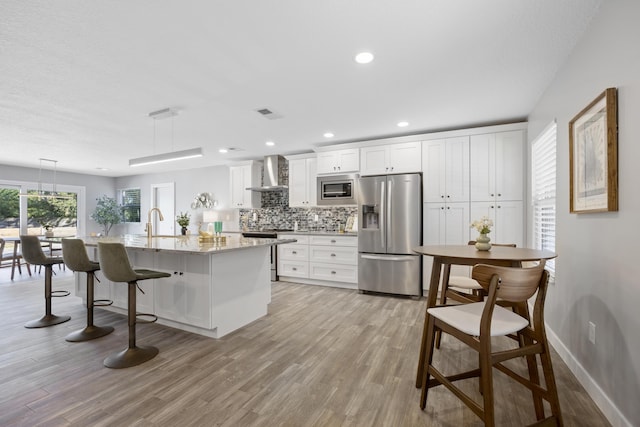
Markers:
point(608, 408)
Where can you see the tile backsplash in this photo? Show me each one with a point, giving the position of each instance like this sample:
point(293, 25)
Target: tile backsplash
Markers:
point(276, 213)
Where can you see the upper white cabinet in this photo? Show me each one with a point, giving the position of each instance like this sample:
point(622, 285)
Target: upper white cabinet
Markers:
point(497, 166)
point(302, 182)
point(242, 177)
point(392, 158)
point(339, 161)
point(445, 166)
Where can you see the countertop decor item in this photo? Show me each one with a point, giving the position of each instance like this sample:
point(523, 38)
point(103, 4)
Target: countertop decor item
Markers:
point(183, 221)
point(107, 213)
point(483, 225)
point(593, 156)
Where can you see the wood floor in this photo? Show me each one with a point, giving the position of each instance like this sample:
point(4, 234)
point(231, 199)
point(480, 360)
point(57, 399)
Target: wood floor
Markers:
point(321, 357)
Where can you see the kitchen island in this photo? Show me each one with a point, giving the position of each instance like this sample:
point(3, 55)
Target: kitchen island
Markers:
point(213, 290)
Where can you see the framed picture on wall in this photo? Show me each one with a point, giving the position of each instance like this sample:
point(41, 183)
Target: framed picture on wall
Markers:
point(593, 156)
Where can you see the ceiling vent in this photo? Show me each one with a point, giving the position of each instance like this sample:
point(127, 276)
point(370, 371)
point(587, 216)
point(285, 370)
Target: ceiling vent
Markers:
point(268, 113)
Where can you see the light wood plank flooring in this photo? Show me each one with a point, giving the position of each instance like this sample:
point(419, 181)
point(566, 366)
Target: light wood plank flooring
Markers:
point(321, 357)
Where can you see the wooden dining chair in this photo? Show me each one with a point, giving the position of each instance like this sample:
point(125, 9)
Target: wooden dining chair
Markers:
point(462, 289)
point(14, 256)
point(475, 324)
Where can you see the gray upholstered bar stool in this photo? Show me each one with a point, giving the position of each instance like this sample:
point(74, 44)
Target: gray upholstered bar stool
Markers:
point(33, 254)
point(76, 258)
point(115, 265)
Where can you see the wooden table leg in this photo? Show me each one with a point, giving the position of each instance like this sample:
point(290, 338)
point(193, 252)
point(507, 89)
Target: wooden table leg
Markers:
point(13, 261)
point(432, 298)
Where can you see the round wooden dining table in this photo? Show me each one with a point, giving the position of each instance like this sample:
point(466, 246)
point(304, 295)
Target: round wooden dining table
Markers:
point(446, 255)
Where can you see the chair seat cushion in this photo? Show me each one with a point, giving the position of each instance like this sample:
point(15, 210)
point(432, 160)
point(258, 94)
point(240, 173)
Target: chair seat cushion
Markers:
point(466, 318)
point(142, 274)
point(463, 282)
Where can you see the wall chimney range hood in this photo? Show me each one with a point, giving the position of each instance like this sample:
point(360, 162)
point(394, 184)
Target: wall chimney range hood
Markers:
point(271, 174)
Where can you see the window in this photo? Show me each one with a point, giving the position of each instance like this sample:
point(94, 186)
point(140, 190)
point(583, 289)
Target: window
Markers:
point(543, 169)
point(130, 202)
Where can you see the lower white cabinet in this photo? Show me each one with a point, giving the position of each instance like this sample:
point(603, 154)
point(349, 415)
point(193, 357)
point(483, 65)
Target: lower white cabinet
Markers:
point(320, 257)
point(185, 296)
point(508, 220)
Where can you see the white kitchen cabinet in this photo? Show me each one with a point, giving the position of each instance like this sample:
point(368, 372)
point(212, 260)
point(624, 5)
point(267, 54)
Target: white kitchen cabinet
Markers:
point(497, 166)
point(339, 161)
point(303, 187)
point(445, 224)
point(293, 258)
point(321, 258)
point(242, 177)
point(508, 220)
point(445, 170)
point(391, 158)
point(185, 296)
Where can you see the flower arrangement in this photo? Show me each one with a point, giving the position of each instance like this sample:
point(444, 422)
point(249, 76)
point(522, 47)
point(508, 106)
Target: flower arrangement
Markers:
point(183, 219)
point(483, 225)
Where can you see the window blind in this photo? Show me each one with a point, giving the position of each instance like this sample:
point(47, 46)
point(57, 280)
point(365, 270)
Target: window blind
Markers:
point(543, 169)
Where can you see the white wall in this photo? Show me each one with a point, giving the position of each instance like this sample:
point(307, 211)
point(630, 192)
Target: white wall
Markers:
point(598, 270)
point(188, 183)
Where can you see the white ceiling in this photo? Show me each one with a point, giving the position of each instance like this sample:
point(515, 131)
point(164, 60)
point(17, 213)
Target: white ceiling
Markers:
point(78, 78)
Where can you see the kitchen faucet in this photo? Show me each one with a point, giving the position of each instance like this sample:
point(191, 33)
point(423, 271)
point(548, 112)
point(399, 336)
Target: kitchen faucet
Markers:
point(149, 227)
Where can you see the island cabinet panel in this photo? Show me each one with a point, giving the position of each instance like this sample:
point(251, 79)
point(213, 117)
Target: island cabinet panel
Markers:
point(185, 296)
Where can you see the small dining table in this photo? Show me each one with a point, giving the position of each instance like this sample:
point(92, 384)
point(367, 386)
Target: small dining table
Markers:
point(446, 255)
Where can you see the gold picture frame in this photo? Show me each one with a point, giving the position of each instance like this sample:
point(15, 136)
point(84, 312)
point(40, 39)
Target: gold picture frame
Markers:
point(593, 156)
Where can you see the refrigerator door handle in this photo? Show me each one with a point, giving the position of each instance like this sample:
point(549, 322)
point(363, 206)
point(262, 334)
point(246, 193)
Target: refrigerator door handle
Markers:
point(387, 257)
point(383, 215)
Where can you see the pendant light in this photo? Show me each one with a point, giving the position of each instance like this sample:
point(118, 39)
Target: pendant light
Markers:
point(41, 192)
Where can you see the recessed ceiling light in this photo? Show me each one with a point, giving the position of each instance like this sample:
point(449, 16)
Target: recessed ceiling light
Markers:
point(403, 124)
point(102, 169)
point(364, 57)
point(328, 135)
point(223, 150)
point(270, 143)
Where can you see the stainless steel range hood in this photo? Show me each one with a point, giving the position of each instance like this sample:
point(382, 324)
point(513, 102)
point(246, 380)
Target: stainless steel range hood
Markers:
point(271, 174)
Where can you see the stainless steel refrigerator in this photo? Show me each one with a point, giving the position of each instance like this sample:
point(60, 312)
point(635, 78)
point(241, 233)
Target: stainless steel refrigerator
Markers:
point(390, 218)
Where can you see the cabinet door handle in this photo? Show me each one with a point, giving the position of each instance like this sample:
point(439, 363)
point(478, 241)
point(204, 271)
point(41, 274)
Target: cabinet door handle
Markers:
point(442, 207)
point(448, 207)
point(333, 241)
point(499, 194)
point(333, 272)
point(499, 206)
point(492, 195)
point(333, 254)
point(492, 207)
point(181, 273)
point(175, 272)
point(294, 268)
point(442, 196)
point(448, 196)
point(294, 252)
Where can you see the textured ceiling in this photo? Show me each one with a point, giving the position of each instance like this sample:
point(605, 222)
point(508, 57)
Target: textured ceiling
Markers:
point(79, 78)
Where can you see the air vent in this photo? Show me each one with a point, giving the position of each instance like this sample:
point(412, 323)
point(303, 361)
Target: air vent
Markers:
point(268, 113)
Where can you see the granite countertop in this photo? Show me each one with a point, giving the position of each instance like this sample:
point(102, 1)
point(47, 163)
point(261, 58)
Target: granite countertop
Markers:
point(185, 244)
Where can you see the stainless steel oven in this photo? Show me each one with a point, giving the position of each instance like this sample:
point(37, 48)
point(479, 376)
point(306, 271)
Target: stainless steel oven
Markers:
point(337, 189)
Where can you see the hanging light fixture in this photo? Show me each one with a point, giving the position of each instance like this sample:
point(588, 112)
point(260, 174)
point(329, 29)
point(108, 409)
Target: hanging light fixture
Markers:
point(165, 157)
point(42, 193)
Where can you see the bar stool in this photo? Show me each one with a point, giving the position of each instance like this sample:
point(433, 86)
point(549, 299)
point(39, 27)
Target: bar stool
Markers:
point(76, 258)
point(33, 254)
point(115, 265)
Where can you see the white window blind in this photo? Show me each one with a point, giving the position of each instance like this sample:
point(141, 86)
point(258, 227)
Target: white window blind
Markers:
point(543, 169)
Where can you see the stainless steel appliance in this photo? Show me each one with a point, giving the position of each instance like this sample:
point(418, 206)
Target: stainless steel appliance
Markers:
point(337, 189)
point(390, 218)
point(269, 234)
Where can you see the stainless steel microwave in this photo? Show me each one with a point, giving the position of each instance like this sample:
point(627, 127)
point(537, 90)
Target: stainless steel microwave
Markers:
point(337, 189)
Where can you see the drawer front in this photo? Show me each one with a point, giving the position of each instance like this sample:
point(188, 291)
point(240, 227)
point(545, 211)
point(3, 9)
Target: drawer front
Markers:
point(301, 240)
point(293, 252)
point(334, 240)
point(293, 269)
point(333, 272)
point(335, 255)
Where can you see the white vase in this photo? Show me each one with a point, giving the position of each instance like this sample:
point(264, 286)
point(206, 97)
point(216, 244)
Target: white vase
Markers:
point(483, 242)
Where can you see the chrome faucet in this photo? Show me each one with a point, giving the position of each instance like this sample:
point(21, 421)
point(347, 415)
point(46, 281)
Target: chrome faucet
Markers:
point(149, 227)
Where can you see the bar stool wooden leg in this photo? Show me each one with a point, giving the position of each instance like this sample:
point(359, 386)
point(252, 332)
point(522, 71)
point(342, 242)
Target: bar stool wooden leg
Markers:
point(48, 319)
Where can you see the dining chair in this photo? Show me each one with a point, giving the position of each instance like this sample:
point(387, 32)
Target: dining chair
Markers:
point(475, 324)
point(462, 289)
point(14, 256)
point(115, 265)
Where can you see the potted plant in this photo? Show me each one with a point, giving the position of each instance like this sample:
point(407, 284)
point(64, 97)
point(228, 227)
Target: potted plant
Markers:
point(107, 213)
point(183, 221)
point(48, 230)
